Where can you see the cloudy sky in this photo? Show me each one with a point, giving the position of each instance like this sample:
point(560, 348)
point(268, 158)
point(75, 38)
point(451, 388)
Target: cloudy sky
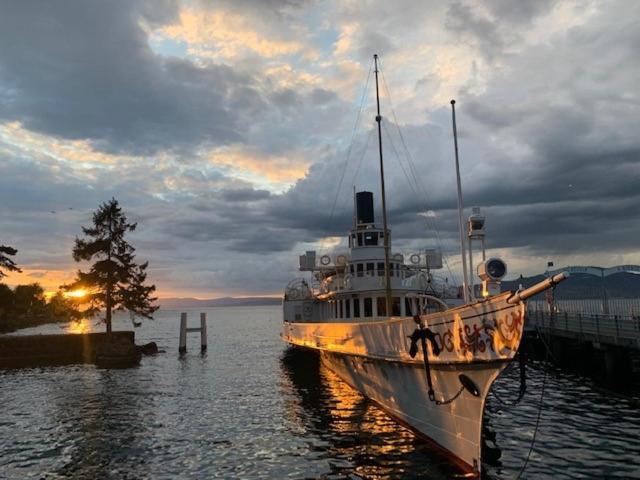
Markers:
point(233, 131)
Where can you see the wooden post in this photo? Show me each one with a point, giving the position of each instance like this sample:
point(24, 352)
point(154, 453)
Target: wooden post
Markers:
point(183, 333)
point(203, 332)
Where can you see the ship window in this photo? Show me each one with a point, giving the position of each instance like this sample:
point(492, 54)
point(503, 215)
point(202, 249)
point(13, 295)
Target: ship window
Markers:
point(351, 268)
point(371, 239)
point(382, 306)
point(395, 306)
point(359, 269)
point(408, 308)
point(340, 303)
point(370, 267)
point(356, 307)
point(368, 307)
point(381, 269)
point(347, 308)
point(360, 239)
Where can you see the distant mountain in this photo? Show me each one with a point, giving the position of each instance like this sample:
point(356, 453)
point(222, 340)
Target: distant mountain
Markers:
point(174, 303)
point(581, 286)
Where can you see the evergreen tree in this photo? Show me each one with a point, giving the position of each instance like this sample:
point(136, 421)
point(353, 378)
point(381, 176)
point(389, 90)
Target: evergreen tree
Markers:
point(5, 262)
point(137, 298)
point(114, 281)
point(62, 307)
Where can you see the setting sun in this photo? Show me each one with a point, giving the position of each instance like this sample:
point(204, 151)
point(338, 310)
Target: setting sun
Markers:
point(79, 293)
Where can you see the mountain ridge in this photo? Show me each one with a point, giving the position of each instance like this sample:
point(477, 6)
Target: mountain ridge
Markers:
point(171, 303)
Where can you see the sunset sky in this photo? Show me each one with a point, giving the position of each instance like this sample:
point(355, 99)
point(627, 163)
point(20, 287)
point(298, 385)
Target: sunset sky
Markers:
point(223, 129)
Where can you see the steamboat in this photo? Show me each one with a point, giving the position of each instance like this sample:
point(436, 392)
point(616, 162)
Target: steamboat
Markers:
point(424, 351)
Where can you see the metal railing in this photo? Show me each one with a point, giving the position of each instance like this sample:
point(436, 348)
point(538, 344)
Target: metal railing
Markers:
point(611, 329)
point(593, 306)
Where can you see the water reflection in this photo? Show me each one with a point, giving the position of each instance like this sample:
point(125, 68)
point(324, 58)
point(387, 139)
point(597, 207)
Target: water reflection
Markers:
point(358, 438)
point(80, 326)
point(103, 425)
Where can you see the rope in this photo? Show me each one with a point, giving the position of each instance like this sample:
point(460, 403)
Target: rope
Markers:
point(364, 151)
point(537, 425)
point(535, 430)
point(523, 384)
point(346, 162)
point(414, 172)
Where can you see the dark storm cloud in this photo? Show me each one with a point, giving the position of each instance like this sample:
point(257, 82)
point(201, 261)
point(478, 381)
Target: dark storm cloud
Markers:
point(499, 30)
point(548, 145)
point(244, 194)
point(84, 70)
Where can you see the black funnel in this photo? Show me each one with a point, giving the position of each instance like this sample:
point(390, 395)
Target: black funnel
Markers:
point(364, 207)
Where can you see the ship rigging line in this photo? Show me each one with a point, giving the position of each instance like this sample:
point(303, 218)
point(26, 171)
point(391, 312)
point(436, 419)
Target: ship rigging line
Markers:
point(346, 161)
point(414, 173)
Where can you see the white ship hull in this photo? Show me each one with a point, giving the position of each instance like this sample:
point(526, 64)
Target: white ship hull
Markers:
point(476, 340)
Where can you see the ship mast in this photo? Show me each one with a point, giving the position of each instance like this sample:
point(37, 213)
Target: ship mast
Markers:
point(463, 249)
point(387, 283)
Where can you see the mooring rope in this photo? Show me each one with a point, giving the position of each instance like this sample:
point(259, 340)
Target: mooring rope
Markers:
point(537, 425)
point(544, 382)
point(523, 383)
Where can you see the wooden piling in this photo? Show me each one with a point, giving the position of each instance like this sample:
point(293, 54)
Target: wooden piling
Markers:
point(184, 329)
point(183, 333)
point(203, 332)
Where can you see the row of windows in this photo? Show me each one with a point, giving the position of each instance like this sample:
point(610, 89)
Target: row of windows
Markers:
point(369, 268)
point(369, 307)
point(366, 239)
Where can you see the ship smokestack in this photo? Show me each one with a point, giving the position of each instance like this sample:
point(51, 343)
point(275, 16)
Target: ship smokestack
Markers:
point(364, 208)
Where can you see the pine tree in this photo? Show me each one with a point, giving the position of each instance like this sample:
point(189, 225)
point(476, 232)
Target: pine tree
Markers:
point(5, 262)
point(114, 281)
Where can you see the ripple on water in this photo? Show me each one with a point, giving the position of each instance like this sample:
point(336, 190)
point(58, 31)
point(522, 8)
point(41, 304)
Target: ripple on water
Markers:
point(250, 408)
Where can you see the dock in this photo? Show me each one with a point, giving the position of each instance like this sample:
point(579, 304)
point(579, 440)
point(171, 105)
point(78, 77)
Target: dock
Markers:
point(605, 345)
point(601, 330)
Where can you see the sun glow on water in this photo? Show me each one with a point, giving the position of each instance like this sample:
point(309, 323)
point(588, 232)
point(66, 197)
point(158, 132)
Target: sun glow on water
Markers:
point(81, 326)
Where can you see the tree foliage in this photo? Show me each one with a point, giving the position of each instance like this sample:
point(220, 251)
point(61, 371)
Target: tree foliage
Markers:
point(26, 306)
point(7, 263)
point(114, 281)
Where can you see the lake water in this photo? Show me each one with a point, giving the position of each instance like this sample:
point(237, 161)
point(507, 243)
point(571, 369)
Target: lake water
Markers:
point(251, 408)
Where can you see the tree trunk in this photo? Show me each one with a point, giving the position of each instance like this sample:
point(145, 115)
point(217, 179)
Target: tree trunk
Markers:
point(108, 308)
point(109, 280)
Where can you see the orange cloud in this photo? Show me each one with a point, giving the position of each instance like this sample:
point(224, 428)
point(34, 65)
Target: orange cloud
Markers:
point(224, 34)
point(50, 280)
point(248, 165)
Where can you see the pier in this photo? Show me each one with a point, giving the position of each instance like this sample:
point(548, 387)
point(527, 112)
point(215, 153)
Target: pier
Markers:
point(591, 323)
point(600, 330)
point(604, 346)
